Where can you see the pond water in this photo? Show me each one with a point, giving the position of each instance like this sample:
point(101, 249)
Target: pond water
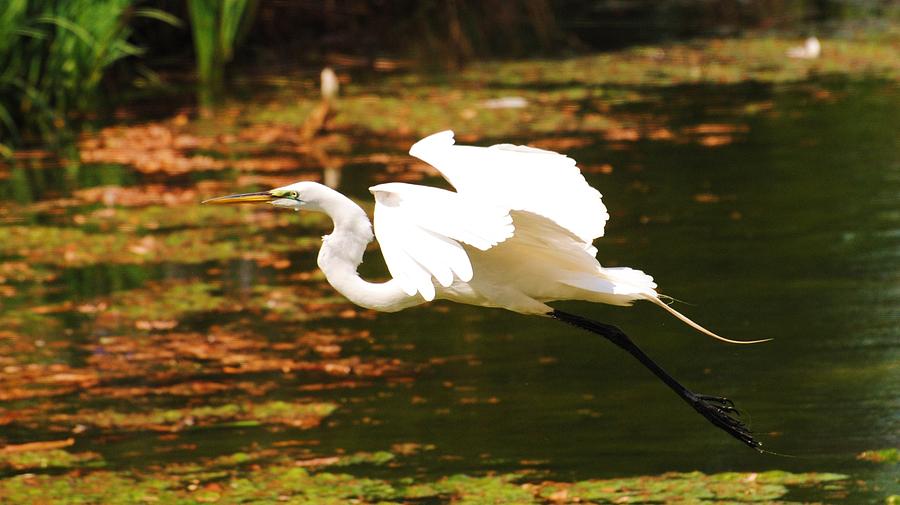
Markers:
point(786, 227)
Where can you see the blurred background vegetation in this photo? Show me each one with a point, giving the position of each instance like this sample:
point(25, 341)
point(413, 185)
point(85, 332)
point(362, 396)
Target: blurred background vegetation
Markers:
point(67, 61)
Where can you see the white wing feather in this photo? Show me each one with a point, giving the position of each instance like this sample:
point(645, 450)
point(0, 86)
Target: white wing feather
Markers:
point(557, 217)
point(420, 230)
point(520, 178)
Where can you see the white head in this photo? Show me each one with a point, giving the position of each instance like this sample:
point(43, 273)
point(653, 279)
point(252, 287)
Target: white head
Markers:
point(306, 195)
point(813, 47)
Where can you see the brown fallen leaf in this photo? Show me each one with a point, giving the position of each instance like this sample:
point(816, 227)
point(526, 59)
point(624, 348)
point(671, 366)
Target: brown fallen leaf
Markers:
point(305, 463)
point(707, 198)
point(662, 133)
point(715, 129)
point(561, 144)
point(38, 446)
point(716, 140)
point(622, 133)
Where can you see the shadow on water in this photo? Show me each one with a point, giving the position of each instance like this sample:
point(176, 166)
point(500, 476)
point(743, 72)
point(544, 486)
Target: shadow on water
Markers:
point(783, 227)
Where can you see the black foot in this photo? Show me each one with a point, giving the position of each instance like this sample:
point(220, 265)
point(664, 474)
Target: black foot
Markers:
point(723, 404)
point(721, 412)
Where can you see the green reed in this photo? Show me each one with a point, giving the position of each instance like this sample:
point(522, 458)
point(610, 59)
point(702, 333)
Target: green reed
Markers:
point(53, 57)
point(216, 27)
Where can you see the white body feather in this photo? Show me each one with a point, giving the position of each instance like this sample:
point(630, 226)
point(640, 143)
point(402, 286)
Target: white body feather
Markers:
point(517, 233)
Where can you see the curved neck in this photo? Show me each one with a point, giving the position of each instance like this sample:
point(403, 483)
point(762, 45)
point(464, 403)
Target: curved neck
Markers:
point(342, 252)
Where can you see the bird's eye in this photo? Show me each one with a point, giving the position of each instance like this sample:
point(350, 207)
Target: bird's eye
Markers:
point(293, 194)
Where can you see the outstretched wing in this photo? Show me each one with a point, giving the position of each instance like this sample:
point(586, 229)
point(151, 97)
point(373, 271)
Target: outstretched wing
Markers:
point(520, 178)
point(421, 229)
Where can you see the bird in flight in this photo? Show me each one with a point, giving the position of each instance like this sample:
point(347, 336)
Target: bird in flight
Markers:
point(517, 234)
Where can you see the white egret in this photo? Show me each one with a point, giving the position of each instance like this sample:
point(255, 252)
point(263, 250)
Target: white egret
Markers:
point(329, 84)
point(810, 50)
point(317, 120)
point(516, 234)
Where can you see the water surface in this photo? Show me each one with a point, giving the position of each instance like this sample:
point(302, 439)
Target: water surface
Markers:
point(784, 226)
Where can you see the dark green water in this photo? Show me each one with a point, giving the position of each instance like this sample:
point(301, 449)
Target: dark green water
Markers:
point(802, 247)
point(795, 236)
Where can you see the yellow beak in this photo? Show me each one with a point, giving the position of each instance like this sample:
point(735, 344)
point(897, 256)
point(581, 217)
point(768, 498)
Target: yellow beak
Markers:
point(260, 196)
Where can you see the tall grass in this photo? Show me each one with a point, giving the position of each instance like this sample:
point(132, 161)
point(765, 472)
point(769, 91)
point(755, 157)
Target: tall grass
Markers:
point(216, 26)
point(53, 56)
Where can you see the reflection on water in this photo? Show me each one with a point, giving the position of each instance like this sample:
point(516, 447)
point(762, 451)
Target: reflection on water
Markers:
point(781, 222)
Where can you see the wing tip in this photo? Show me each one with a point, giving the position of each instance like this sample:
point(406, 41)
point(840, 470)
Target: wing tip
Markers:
point(439, 139)
point(427, 291)
point(384, 187)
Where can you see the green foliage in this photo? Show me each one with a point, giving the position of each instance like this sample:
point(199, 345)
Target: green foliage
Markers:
point(216, 25)
point(283, 482)
point(44, 459)
point(731, 487)
point(274, 412)
point(496, 489)
point(53, 57)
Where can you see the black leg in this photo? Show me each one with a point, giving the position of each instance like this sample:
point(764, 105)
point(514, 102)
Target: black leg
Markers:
point(719, 411)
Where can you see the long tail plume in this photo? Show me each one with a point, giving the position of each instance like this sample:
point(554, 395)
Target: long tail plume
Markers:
point(655, 299)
